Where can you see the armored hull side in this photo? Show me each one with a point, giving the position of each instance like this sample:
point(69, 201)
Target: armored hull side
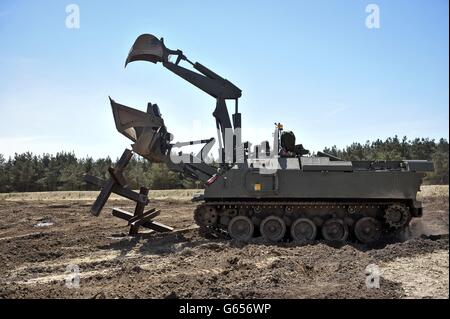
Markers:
point(313, 198)
point(297, 184)
point(288, 179)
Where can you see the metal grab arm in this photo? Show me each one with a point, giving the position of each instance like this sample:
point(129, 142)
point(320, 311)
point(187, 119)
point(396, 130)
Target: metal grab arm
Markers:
point(149, 48)
point(207, 81)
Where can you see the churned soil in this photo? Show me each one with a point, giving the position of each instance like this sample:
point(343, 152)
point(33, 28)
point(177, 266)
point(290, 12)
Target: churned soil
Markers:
point(44, 243)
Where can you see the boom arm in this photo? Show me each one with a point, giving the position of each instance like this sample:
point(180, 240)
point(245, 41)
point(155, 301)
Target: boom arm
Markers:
point(149, 48)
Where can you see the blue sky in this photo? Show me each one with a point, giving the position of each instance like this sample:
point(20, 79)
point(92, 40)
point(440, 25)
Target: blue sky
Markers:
point(312, 65)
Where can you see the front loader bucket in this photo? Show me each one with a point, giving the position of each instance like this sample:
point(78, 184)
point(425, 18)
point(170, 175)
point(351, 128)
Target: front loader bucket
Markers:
point(146, 130)
point(149, 48)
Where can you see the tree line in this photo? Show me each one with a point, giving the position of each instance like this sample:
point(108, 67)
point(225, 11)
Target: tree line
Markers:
point(395, 149)
point(28, 172)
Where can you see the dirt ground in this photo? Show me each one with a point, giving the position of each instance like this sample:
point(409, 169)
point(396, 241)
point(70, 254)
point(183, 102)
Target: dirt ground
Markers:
point(43, 239)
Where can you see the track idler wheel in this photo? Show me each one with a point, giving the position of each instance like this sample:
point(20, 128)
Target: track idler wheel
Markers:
point(335, 230)
point(303, 230)
point(241, 228)
point(273, 228)
point(205, 216)
point(368, 230)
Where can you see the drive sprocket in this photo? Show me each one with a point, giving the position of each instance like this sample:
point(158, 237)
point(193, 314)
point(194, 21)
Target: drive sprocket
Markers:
point(397, 215)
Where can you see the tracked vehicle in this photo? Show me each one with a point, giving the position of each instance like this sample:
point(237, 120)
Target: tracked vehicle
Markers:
point(280, 192)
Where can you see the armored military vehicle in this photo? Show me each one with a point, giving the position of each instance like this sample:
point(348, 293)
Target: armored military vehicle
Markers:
point(280, 192)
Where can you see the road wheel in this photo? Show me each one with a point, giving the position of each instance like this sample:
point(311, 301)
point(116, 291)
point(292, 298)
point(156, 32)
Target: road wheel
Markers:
point(303, 230)
point(273, 228)
point(335, 230)
point(368, 230)
point(241, 228)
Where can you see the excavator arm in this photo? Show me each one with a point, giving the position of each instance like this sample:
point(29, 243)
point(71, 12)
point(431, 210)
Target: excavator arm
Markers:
point(149, 48)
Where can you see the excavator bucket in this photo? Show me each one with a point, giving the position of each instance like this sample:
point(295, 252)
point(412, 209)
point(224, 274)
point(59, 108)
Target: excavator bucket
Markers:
point(149, 48)
point(146, 130)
